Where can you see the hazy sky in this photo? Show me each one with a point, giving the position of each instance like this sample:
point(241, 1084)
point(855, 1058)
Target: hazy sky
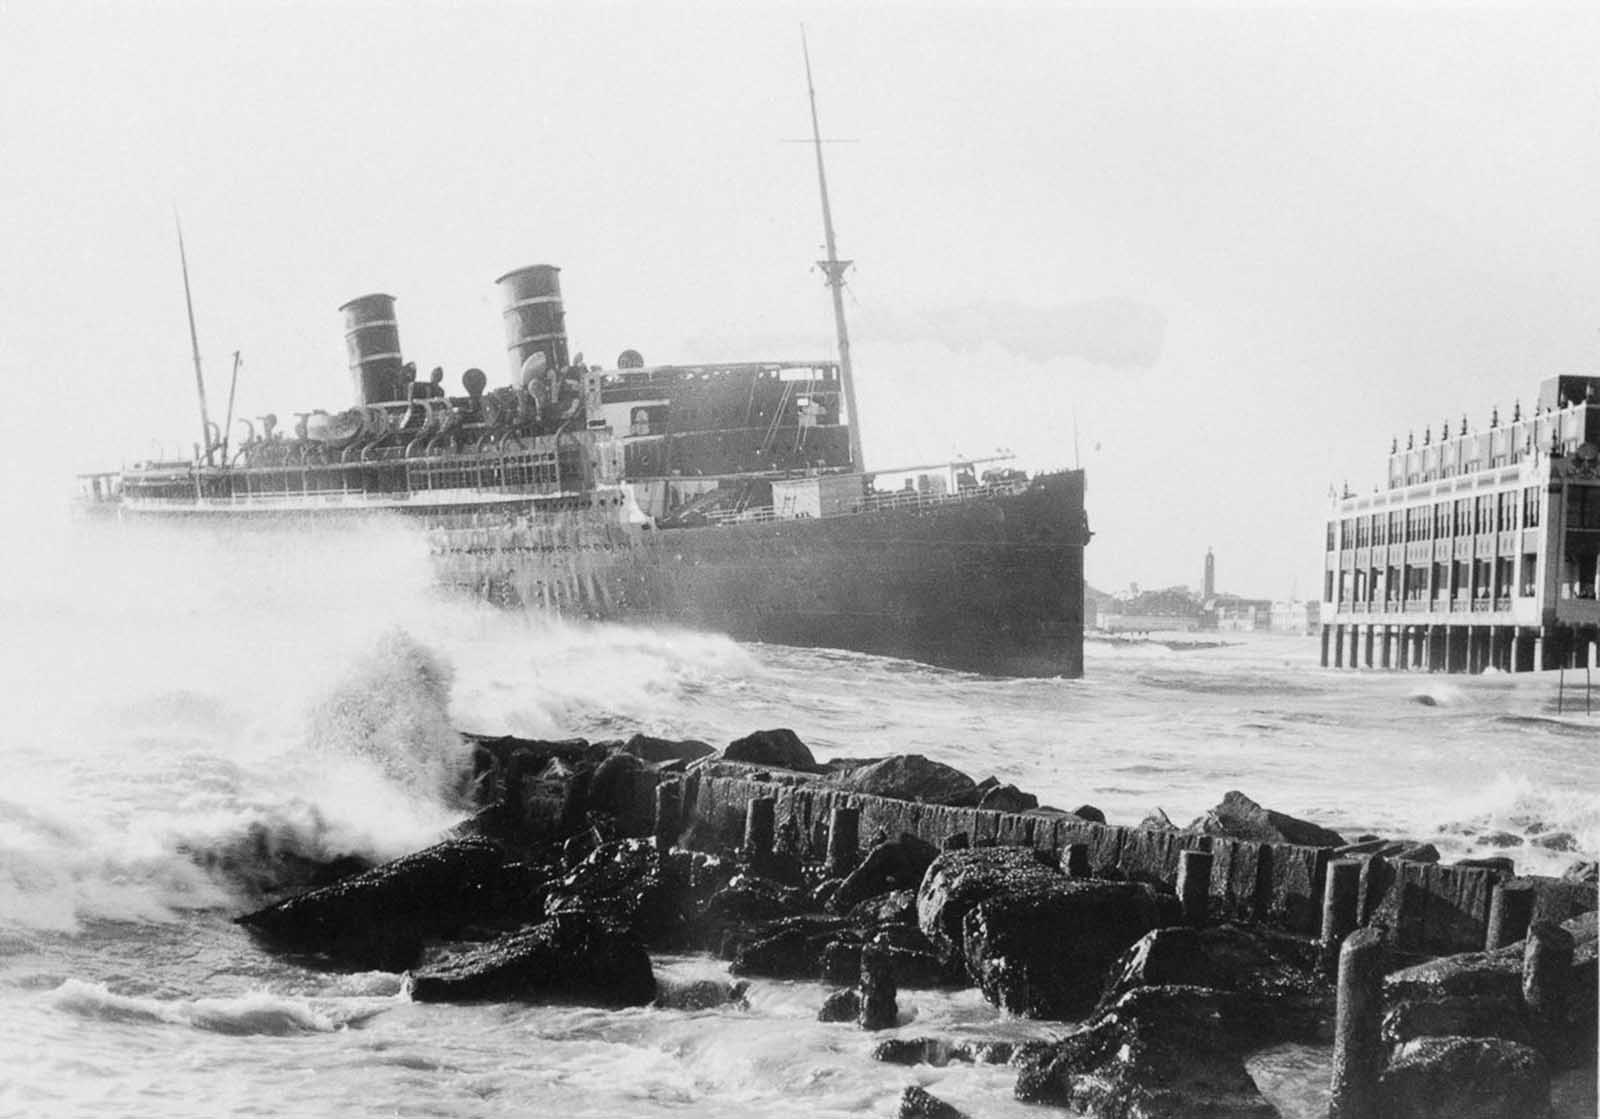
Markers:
point(1241, 248)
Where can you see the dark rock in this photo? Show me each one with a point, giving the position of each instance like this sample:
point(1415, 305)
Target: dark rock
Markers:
point(789, 949)
point(657, 750)
point(841, 1006)
point(1007, 798)
point(1276, 971)
point(381, 918)
point(917, 1103)
point(628, 881)
point(1158, 1053)
point(1456, 1016)
point(1416, 853)
point(1500, 864)
point(822, 893)
point(1584, 870)
point(896, 865)
point(1491, 976)
point(1157, 820)
point(701, 994)
point(1464, 1078)
point(898, 907)
point(572, 958)
point(841, 961)
point(958, 880)
point(748, 899)
point(611, 786)
point(1239, 817)
point(910, 777)
point(1556, 841)
point(781, 748)
point(1042, 951)
point(1089, 812)
point(1501, 839)
point(939, 1052)
point(919, 967)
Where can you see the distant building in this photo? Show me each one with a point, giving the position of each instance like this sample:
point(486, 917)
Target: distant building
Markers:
point(1209, 583)
point(1480, 553)
point(1294, 617)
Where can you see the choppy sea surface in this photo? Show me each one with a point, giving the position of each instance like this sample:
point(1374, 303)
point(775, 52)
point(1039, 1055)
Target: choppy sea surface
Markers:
point(174, 695)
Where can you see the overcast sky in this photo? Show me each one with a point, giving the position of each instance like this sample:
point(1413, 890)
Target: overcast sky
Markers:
point(1238, 250)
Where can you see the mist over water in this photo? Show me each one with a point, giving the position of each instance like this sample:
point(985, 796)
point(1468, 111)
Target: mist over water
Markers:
point(182, 699)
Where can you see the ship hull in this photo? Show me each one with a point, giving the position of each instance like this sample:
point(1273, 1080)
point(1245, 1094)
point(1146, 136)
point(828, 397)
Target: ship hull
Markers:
point(991, 584)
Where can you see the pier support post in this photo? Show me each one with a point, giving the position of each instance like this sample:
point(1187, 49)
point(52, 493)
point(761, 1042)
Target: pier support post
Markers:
point(1371, 635)
point(669, 815)
point(1357, 1044)
point(844, 841)
point(1077, 860)
point(1194, 886)
point(1325, 632)
point(760, 828)
point(1510, 911)
point(1339, 906)
point(878, 994)
point(1355, 650)
point(1385, 653)
point(1546, 980)
point(1403, 657)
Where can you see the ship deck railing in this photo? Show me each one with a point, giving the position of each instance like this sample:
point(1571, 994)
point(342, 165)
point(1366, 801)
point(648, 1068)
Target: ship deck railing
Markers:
point(871, 503)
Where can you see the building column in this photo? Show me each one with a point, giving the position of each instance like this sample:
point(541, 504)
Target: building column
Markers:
point(1325, 630)
point(1367, 644)
point(1355, 647)
point(1386, 643)
point(1338, 646)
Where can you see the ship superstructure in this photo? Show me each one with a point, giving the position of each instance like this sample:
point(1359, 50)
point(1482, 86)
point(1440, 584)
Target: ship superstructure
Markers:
point(1480, 552)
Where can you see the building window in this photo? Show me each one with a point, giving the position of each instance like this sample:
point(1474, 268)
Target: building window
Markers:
point(1330, 536)
point(1397, 527)
point(1441, 521)
point(1530, 563)
point(1532, 503)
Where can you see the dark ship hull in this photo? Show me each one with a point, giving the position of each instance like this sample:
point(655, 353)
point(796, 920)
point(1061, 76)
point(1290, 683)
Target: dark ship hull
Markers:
point(989, 583)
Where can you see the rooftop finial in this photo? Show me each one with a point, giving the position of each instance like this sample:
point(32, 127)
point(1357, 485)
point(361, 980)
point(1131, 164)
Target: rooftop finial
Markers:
point(1427, 436)
point(1494, 416)
point(1516, 411)
point(1411, 440)
point(1463, 423)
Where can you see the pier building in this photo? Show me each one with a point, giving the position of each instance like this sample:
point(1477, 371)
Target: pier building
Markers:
point(1480, 550)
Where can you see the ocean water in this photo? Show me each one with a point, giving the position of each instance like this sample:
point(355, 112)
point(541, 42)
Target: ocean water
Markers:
point(178, 700)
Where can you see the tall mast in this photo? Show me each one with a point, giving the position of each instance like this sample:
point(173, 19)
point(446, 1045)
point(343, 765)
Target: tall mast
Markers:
point(834, 269)
point(194, 341)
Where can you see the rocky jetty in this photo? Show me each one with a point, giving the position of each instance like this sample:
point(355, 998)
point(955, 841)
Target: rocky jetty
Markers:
point(1169, 953)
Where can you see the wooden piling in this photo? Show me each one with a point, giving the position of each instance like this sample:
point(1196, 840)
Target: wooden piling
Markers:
point(1340, 899)
point(844, 844)
point(1194, 886)
point(1547, 981)
point(1510, 911)
point(760, 828)
point(879, 1010)
point(1357, 1044)
point(668, 815)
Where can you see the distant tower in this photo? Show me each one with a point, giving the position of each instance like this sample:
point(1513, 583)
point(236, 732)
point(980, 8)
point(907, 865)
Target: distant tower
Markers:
point(1210, 583)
